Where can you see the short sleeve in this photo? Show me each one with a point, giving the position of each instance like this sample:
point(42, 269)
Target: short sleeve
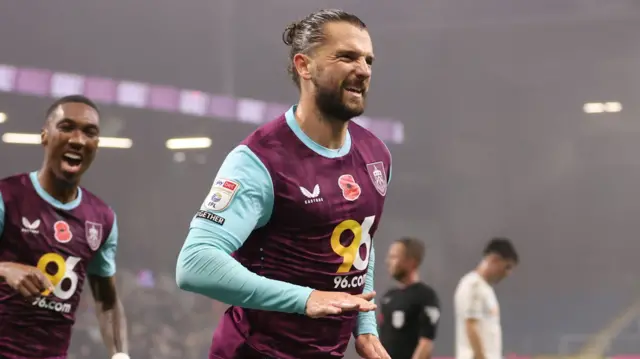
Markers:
point(429, 315)
point(103, 264)
point(472, 304)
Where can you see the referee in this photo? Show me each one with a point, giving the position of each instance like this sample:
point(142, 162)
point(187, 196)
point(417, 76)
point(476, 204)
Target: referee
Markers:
point(409, 312)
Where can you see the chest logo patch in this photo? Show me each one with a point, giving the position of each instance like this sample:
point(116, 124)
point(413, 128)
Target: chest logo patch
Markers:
point(397, 319)
point(350, 189)
point(30, 227)
point(62, 232)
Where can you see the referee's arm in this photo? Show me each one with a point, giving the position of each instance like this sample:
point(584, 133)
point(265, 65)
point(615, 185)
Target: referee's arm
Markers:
point(428, 319)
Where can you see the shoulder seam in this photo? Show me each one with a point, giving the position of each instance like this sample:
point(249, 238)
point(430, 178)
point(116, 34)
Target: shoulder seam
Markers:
point(255, 158)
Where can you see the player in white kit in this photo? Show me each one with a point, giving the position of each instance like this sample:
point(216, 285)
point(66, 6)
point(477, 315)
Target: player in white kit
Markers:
point(477, 311)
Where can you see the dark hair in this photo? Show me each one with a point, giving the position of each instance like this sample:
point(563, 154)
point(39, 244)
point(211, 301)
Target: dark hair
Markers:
point(414, 248)
point(304, 35)
point(502, 247)
point(71, 99)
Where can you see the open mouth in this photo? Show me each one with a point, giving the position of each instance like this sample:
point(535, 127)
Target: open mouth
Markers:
point(72, 161)
point(355, 90)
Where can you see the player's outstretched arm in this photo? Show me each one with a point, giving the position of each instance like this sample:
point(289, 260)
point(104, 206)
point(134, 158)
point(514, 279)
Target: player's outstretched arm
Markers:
point(109, 308)
point(241, 200)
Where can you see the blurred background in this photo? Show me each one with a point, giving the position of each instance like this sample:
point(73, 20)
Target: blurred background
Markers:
point(504, 117)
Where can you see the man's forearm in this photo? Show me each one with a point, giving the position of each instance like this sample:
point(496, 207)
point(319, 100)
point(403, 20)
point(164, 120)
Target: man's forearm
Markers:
point(204, 269)
point(367, 323)
point(474, 340)
point(113, 326)
point(110, 313)
point(423, 349)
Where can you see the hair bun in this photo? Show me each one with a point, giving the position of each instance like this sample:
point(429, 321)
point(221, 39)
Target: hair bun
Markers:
point(289, 33)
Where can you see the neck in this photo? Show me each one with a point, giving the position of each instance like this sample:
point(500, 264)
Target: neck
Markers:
point(483, 270)
point(409, 279)
point(326, 131)
point(64, 192)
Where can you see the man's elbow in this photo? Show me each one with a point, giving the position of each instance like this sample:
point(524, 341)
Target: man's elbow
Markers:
point(423, 349)
point(202, 263)
point(198, 269)
point(182, 278)
point(185, 276)
point(426, 345)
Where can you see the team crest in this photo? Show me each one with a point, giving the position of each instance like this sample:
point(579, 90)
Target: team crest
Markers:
point(221, 194)
point(378, 176)
point(350, 189)
point(93, 232)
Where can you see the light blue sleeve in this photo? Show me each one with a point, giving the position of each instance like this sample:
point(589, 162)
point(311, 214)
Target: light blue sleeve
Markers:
point(1, 215)
point(222, 225)
point(103, 264)
point(367, 321)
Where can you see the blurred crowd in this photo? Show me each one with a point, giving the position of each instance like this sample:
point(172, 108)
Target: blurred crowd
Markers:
point(164, 322)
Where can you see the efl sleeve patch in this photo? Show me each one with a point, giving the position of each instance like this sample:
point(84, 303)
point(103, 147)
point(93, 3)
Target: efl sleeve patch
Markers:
point(221, 194)
point(210, 217)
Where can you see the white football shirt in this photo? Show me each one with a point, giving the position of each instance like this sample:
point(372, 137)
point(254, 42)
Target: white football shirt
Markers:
point(475, 298)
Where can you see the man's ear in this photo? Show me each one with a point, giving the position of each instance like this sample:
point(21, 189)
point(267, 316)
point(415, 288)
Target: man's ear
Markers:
point(44, 136)
point(302, 64)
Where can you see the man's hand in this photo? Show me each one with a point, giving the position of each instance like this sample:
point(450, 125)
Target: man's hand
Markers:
point(368, 346)
point(321, 304)
point(27, 280)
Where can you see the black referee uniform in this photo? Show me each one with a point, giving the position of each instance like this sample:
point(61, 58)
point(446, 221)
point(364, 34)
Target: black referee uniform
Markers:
point(407, 315)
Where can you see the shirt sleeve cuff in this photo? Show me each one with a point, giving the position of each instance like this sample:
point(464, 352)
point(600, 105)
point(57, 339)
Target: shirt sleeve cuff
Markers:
point(303, 296)
point(366, 324)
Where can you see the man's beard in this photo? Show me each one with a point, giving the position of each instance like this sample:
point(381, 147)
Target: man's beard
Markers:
point(331, 103)
point(399, 275)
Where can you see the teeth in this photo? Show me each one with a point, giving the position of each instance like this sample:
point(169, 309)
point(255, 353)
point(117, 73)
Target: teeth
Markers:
point(73, 156)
